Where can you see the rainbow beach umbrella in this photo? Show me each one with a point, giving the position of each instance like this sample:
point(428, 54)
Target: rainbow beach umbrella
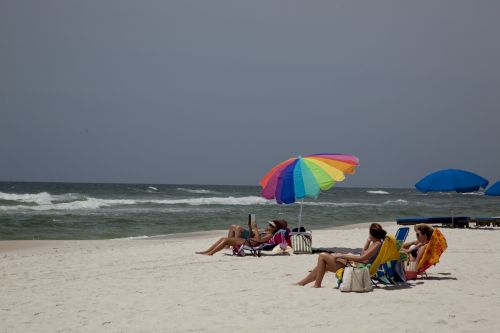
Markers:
point(305, 177)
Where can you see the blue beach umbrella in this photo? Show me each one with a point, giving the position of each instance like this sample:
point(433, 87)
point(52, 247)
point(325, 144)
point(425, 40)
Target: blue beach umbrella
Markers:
point(493, 189)
point(451, 180)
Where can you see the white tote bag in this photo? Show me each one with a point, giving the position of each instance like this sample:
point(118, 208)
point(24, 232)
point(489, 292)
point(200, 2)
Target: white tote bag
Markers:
point(356, 279)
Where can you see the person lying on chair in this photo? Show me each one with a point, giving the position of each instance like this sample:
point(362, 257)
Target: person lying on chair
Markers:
point(258, 238)
point(237, 231)
point(333, 262)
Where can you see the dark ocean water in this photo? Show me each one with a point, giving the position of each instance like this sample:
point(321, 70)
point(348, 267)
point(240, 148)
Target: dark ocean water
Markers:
point(100, 211)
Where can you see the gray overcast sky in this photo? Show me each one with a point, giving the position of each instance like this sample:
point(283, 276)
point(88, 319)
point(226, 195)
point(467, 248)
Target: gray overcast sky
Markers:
point(217, 92)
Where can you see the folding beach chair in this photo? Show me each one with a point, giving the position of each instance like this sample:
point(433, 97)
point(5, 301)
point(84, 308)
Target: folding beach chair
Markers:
point(392, 272)
point(435, 248)
point(387, 252)
point(280, 237)
point(401, 235)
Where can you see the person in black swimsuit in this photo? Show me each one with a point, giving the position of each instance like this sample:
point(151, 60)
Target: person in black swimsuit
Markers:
point(417, 247)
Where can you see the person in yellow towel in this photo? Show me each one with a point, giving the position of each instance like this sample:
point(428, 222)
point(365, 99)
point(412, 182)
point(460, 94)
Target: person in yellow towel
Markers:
point(333, 262)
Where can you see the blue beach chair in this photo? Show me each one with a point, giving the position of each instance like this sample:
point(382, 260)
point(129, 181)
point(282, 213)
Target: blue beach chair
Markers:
point(401, 235)
point(392, 271)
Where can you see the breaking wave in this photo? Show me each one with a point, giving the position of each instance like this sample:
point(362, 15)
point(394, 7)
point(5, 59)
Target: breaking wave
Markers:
point(42, 198)
point(398, 202)
point(377, 192)
point(195, 191)
point(44, 202)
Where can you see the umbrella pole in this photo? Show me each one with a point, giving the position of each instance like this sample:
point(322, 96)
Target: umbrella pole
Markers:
point(452, 213)
point(300, 212)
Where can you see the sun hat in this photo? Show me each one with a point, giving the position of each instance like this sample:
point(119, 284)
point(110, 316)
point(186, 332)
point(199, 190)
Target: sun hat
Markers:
point(272, 223)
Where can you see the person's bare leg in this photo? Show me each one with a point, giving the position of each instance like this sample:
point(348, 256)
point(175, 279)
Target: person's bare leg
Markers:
point(232, 232)
point(223, 243)
point(238, 229)
point(254, 230)
point(214, 245)
point(325, 262)
point(309, 277)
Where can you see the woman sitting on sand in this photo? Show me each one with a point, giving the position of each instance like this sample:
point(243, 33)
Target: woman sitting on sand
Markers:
point(256, 239)
point(417, 248)
point(333, 262)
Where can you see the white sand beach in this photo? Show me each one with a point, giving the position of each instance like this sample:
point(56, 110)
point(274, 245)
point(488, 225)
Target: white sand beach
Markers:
point(163, 286)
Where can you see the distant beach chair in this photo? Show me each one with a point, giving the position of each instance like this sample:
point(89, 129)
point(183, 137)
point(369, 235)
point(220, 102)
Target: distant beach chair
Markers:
point(486, 221)
point(453, 221)
point(280, 237)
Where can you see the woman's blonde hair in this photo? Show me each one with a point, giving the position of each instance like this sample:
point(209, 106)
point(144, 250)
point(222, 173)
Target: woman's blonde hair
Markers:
point(425, 229)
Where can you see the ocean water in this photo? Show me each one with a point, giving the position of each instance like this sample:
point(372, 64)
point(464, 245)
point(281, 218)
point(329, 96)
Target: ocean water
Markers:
point(102, 211)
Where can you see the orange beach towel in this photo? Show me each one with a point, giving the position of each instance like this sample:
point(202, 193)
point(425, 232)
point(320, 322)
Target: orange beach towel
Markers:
point(435, 248)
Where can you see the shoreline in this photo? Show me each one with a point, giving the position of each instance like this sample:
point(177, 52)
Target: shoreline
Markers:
point(24, 244)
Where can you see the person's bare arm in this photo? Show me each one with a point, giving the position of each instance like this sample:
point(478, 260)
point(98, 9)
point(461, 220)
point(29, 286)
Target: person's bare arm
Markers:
point(420, 253)
point(254, 230)
point(254, 241)
point(370, 251)
point(407, 245)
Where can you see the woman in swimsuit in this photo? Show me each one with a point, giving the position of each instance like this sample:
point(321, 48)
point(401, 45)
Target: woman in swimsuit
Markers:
point(237, 231)
point(256, 239)
point(417, 248)
point(333, 262)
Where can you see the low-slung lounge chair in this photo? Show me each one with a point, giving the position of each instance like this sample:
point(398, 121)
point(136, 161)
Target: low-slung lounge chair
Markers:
point(280, 237)
point(486, 221)
point(453, 221)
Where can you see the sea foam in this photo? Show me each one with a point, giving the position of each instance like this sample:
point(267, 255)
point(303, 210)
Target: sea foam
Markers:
point(41, 198)
point(90, 203)
point(357, 204)
point(195, 191)
point(377, 192)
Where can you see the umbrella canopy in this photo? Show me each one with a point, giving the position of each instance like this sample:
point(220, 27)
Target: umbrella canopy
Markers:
point(494, 189)
point(451, 180)
point(301, 177)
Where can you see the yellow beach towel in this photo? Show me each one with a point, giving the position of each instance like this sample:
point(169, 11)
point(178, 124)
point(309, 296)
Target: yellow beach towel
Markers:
point(435, 248)
point(388, 251)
